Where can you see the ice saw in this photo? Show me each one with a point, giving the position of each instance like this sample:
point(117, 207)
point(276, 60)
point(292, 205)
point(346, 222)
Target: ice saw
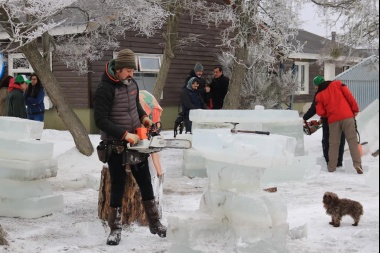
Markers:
point(151, 141)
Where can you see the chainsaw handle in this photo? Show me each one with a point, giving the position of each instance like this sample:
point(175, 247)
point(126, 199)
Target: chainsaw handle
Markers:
point(155, 129)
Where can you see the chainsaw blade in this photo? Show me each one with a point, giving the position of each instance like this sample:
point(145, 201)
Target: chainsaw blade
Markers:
point(159, 142)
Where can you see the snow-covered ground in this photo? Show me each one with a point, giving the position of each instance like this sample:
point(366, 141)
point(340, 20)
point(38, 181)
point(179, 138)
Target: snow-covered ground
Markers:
point(77, 228)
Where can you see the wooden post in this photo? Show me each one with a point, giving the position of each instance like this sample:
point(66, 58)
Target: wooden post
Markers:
point(133, 210)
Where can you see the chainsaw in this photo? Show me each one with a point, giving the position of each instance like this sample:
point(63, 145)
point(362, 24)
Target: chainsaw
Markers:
point(311, 127)
point(151, 141)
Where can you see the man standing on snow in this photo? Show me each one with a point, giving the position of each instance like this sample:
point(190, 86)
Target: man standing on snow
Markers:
point(335, 102)
point(219, 88)
point(325, 127)
point(15, 98)
point(117, 113)
point(198, 72)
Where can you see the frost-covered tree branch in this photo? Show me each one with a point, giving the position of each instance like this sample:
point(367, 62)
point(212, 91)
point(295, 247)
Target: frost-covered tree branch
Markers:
point(360, 19)
point(79, 30)
point(99, 23)
point(259, 35)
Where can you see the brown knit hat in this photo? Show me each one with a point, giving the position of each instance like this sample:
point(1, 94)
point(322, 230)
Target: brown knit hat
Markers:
point(125, 59)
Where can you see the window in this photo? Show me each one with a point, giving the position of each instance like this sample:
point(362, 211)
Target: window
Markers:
point(149, 63)
point(345, 68)
point(18, 64)
point(302, 77)
point(148, 66)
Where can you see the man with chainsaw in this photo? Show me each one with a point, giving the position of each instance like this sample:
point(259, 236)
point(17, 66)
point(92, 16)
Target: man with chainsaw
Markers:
point(335, 102)
point(117, 113)
point(325, 127)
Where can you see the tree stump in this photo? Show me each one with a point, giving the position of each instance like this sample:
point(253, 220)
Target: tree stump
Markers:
point(133, 210)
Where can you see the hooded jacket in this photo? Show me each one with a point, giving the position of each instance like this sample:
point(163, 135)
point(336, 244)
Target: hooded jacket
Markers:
point(15, 101)
point(190, 99)
point(335, 102)
point(117, 109)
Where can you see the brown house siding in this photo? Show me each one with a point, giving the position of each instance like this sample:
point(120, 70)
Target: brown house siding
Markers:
point(181, 65)
point(74, 87)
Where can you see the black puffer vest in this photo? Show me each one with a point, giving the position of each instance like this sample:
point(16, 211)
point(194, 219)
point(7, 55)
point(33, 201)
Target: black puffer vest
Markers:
point(116, 107)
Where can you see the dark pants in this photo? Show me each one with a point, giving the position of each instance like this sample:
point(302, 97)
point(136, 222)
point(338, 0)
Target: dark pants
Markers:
point(37, 117)
point(118, 177)
point(188, 125)
point(326, 145)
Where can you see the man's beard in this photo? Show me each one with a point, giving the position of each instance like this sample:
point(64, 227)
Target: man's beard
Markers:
point(128, 80)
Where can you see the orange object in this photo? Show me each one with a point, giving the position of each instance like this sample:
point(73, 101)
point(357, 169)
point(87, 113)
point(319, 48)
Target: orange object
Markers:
point(142, 132)
point(360, 149)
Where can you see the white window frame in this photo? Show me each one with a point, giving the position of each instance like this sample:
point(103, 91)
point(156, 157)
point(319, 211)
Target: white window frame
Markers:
point(14, 72)
point(145, 56)
point(300, 78)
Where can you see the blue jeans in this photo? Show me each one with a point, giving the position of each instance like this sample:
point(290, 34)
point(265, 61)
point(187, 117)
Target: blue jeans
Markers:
point(37, 117)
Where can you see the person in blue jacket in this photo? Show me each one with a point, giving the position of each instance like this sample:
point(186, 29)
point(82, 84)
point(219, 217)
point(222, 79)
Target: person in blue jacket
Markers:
point(34, 99)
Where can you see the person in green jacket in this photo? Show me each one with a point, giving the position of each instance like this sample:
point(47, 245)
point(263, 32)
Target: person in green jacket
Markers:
point(15, 98)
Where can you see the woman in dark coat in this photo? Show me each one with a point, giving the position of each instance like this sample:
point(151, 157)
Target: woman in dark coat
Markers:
point(34, 99)
point(191, 99)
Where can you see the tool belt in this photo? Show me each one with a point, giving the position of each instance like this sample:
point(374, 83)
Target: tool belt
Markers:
point(106, 148)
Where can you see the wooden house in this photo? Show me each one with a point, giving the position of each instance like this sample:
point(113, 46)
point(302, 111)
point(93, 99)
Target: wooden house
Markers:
point(79, 90)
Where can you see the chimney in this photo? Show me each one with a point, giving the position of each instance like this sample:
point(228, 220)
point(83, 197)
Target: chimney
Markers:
point(333, 36)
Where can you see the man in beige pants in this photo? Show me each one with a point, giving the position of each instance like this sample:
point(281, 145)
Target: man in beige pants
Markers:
point(335, 102)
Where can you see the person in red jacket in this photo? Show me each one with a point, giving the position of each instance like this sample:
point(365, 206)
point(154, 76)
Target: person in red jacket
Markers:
point(335, 102)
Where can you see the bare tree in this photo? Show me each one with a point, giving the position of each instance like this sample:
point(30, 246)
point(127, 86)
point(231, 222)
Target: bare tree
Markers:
point(176, 9)
point(260, 36)
point(271, 88)
point(359, 18)
point(97, 22)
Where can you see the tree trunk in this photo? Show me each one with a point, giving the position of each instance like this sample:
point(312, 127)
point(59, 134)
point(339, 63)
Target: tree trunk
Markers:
point(170, 39)
point(244, 34)
point(133, 210)
point(65, 112)
point(232, 100)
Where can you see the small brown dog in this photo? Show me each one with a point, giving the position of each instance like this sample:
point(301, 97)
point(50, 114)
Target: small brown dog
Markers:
point(337, 208)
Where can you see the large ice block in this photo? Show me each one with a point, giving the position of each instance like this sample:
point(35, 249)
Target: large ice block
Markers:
point(26, 149)
point(301, 167)
point(17, 129)
point(367, 115)
point(27, 170)
point(282, 122)
point(233, 176)
point(31, 207)
point(253, 150)
point(193, 164)
point(243, 116)
point(10, 189)
point(194, 228)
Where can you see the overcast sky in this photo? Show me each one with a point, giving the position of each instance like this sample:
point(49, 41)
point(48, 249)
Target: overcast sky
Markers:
point(313, 23)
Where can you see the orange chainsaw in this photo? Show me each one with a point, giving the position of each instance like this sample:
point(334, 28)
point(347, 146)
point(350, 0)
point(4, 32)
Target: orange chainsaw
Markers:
point(311, 127)
point(151, 141)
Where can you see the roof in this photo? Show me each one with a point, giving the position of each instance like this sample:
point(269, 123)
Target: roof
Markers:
point(366, 70)
point(313, 43)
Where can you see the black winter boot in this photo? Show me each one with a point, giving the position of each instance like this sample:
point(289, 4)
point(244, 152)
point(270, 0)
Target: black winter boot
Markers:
point(153, 217)
point(114, 222)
